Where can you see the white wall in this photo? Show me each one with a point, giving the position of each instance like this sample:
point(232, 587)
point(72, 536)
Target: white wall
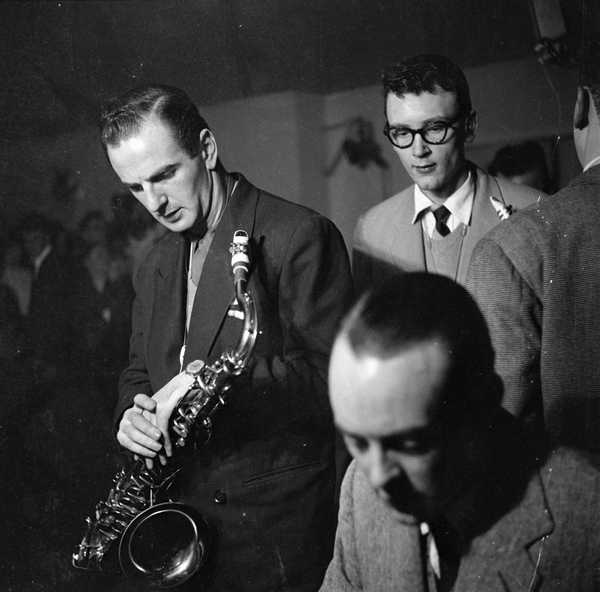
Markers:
point(284, 142)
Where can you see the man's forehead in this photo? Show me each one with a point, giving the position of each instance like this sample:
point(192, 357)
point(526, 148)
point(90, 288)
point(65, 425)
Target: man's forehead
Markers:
point(371, 394)
point(145, 151)
point(423, 105)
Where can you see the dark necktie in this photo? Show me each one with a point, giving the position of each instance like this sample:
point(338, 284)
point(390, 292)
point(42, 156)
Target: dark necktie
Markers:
point(441, 217)
point(446, 542)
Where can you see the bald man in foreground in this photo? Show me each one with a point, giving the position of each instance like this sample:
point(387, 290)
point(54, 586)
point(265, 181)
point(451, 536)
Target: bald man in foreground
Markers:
point(445, 492)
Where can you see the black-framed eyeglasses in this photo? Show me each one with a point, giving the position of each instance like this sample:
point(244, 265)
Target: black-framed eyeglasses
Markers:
point(438, 132)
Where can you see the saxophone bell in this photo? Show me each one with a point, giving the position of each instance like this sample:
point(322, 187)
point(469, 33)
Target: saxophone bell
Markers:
point(165, 545)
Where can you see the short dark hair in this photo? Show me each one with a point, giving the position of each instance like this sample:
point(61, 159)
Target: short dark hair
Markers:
point(124, 115)
point(427, 73)
point(414, 308)
point(516, 159)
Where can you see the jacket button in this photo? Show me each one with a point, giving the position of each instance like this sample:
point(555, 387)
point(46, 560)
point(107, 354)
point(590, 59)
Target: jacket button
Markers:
point(220, 497)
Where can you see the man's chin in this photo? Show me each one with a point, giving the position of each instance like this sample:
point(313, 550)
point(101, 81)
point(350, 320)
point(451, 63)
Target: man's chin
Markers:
point(181, 224)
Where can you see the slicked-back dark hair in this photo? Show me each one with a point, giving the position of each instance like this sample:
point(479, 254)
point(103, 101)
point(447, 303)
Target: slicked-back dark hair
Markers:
point(416, 308)
point(427, 73)
point(123, 116)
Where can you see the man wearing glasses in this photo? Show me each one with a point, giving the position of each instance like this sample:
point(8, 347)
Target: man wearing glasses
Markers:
point(435, 224)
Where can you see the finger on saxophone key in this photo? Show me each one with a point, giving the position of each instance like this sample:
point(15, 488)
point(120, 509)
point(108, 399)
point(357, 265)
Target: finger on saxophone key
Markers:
point(143, 402)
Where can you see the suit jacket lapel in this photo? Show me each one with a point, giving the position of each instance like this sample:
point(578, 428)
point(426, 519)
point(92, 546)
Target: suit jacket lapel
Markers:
point(168, 310)
point(506, 557)
point(483, 218)
point(215, 288)
point(408, 237)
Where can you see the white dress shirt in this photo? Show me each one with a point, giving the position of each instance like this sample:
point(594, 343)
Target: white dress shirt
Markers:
point(459, 204)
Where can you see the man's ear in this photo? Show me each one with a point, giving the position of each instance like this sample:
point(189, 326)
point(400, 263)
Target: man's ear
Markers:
point(208, 149)
point(582, 108)
point(470, 126)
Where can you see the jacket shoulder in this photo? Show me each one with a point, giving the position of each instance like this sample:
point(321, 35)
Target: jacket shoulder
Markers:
point(278, 216)
point(399, 208)
point(518, 196)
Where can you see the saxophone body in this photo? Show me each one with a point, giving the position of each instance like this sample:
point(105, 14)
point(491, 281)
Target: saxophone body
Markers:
point(138, 529)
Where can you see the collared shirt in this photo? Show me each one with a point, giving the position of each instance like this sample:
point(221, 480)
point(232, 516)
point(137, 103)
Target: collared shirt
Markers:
point(592, 163)
point(460, 205)
point(199, 248)
point(37, 262)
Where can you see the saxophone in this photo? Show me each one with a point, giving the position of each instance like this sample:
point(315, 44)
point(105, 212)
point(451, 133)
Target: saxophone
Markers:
point(166, 542)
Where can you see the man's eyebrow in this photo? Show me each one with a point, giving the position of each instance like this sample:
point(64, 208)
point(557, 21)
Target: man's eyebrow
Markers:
point(412, 434)
point(429, 120)
point(406, 434)
point(160, 173)
point(155, 176)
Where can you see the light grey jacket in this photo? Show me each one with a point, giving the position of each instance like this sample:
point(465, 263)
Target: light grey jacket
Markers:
point(386, 241)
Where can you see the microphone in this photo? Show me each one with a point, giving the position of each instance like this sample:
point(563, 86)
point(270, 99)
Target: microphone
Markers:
point(240, 259)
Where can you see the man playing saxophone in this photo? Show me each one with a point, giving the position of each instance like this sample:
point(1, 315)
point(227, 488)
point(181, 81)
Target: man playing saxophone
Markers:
point(265, 481)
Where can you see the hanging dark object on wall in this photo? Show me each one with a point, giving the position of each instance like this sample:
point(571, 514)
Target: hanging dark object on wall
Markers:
point(359, 146)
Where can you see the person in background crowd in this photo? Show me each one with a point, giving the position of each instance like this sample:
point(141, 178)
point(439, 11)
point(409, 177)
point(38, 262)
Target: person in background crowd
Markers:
point(434, 224)
point(135, 229)
point(101, 314)
point(537, 280)
point(523, 164)
point(16, 274)
point(446, 491)
point(48, 328)
point(93, 228)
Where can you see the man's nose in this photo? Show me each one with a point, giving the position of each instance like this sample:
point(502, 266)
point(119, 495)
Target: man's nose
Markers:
point(420, 148)
point(155, 198)
point(380, 468)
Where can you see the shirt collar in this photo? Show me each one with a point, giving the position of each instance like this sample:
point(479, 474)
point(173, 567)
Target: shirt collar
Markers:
point(592, 163)
point(460, 203)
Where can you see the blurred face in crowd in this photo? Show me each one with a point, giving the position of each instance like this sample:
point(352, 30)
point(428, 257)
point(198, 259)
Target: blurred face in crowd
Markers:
point(13, 255)
point(437, 169)
point(387, 409)
point(94, 231)
point(98, 260)
point(174, 186)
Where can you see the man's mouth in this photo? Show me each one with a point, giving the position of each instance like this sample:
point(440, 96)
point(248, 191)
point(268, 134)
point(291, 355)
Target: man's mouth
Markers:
point(172, 214)
point(424, 168)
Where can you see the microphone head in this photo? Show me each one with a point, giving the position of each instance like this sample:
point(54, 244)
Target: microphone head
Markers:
point(240, 259)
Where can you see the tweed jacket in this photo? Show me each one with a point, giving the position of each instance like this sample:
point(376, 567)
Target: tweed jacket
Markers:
point(547, 541)
point(386, 241)
point(537, 280)
point(265, 481)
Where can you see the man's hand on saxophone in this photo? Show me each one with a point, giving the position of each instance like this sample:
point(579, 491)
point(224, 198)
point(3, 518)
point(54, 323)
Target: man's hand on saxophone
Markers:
point(144, 427)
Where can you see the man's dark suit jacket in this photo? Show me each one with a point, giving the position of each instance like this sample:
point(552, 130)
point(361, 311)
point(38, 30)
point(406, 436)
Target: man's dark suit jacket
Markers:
point(266, 480)
point(536, 278)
